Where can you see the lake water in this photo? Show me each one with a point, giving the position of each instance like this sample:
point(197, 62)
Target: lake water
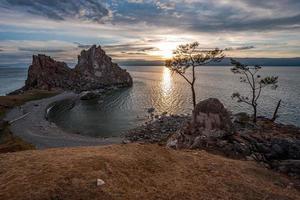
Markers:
point(11, 79)
point(157, 87)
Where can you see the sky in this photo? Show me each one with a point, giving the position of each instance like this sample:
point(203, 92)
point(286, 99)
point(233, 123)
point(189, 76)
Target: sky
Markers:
point(147, 30)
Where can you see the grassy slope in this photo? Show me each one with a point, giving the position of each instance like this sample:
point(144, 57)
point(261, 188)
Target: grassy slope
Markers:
point(9, 142)
point(135, 172)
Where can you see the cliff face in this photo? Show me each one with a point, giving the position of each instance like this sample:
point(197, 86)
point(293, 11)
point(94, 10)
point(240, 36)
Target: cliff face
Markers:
point(97, 66)
point(94, 70)
point(46, 73)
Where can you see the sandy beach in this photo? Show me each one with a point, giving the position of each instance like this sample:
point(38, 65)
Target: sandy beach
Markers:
point(35, 129)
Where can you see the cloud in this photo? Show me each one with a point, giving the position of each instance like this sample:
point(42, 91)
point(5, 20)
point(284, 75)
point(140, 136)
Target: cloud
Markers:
point(133, 53)
point(166, 6)
point(83, 46)
point(211, 16)
point(132, 29)
point(238, 48)
point(44, 50)
point(191, 15)
point(138, 46)
point(92, 10)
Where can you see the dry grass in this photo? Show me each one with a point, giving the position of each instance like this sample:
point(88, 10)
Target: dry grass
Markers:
point(11, 143)
point(135, 172)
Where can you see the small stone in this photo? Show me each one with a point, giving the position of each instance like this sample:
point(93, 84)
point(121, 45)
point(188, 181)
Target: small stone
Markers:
point(100, 182)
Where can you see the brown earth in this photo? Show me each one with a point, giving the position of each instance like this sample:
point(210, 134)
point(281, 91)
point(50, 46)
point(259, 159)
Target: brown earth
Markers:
point(136, 171)
point(12, 143)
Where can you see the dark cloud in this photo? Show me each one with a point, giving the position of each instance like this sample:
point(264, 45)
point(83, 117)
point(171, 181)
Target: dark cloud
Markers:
point(82, 46)
point(148, 49)
point(213, 16)
point(262, 24)
point(28, 49)
point(129, 47)
point(204, 16)
point(133, 53)
point(92, 10)
point(238, 48)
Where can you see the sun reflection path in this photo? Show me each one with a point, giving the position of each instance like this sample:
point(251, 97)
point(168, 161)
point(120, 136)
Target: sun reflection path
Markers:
point(166, 83)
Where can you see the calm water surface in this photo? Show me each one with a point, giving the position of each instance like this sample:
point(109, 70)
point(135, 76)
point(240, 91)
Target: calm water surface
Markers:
point(11, 79)
point(157, 87)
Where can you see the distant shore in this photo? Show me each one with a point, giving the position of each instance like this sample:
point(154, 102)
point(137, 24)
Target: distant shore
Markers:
point(36, 130)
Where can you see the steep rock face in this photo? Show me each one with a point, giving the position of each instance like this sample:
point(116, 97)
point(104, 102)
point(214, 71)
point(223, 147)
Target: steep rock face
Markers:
point(95, 65)
point(94, 70)
point(46, 73)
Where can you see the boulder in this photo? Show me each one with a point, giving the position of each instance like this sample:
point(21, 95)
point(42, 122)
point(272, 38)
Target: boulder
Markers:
point(95, 70)
point(209, 117)
point(210, 121)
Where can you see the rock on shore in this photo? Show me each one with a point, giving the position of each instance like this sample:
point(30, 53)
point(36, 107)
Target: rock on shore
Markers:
point(94, 70)
point(212, 128)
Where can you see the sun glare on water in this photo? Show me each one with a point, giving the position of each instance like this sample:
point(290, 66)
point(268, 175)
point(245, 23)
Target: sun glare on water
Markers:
point(166, 82)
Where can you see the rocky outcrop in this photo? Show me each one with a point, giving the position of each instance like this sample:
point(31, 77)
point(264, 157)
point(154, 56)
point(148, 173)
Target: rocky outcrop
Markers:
point(210, 120)
point(158, 130)
point(276, 146)
point(45, 73)
point(94, 70)
point(96, 66)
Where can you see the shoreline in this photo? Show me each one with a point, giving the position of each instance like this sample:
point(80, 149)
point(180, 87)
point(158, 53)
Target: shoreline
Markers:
point(36, 130)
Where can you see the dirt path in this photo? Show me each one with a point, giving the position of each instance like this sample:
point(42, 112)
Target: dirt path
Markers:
point(35, 129)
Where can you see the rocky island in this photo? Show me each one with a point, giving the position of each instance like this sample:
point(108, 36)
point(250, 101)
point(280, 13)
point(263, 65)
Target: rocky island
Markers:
point(94, 70)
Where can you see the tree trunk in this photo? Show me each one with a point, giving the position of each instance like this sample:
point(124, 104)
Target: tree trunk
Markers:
point(193, 88)
point(193, 95)
point(254, 114)
point(275, 116)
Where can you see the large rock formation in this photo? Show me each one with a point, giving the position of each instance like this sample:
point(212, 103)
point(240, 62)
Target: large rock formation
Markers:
point(94, 70)
point(95, 65)
point(46, 73)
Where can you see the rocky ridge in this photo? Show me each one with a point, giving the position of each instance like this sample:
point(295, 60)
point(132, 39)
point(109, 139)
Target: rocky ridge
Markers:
point(95, 70)
point(212, 128)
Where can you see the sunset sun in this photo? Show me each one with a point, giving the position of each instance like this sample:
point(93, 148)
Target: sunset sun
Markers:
point(165, 49)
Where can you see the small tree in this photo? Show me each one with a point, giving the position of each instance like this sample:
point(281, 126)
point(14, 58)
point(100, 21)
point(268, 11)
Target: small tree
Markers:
point(190, 55)
point(250, 76)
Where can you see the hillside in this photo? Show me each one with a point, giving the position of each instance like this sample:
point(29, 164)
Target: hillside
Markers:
point(136, 171)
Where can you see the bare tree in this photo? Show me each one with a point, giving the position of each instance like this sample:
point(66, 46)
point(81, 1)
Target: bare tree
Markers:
point(190, 55)
point(249, 75)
